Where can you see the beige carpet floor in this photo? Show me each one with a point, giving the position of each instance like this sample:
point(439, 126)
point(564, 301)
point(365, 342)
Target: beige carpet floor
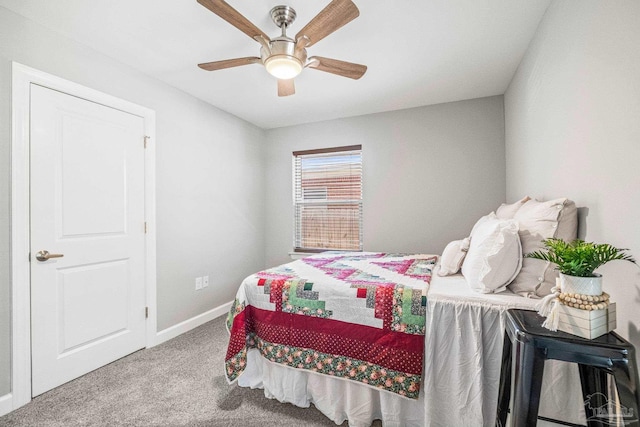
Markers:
point(178, 383)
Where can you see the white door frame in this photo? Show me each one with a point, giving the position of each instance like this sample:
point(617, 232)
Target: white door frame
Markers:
point(22, 78)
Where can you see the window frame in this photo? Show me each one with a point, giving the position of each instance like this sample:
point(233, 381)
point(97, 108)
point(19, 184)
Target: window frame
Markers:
point(296, 203)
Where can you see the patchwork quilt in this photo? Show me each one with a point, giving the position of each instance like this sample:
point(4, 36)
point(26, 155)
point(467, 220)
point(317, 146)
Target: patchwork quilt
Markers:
point(355, 316)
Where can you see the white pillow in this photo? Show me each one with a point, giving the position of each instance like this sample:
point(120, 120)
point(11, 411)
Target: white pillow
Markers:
point(506, 211)
point(494, 257)
point(539, 221)
point(481, 221)
point(452, 257)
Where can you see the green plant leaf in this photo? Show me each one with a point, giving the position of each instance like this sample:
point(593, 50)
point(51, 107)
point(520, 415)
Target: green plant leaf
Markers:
point(578, 258)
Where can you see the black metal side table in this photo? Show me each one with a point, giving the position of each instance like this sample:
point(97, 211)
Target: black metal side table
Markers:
point(527, 345)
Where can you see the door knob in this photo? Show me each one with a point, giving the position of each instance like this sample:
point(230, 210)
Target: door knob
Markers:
point(45, 255)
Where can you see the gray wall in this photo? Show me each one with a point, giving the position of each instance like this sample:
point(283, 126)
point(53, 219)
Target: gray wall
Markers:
point(572, 119)
point(571, 128)
point(209, 177)
point(429, 173)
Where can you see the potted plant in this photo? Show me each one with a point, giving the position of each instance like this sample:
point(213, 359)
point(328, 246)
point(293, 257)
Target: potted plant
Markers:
point(577, 262)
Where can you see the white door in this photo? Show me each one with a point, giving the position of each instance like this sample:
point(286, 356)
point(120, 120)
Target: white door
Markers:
point(87, 204)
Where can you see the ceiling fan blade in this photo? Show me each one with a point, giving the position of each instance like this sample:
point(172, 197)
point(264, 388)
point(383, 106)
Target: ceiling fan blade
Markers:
point(233, 17)
point(228, 63)
point(337, 14)
point(334, 66)
point(286, 87)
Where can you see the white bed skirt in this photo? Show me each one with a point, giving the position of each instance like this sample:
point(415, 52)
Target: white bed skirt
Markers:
point(338, 399)
point(463, 363)
point(463, 351)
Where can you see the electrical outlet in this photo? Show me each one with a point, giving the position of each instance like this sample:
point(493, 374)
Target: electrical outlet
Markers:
point(198, 283)
point(205, 281)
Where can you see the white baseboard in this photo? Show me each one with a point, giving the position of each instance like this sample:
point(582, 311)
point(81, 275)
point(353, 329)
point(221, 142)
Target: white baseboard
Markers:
point(6, 404)
point(194, 322)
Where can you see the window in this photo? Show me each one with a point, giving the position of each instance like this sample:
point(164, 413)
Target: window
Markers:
point(327, 198)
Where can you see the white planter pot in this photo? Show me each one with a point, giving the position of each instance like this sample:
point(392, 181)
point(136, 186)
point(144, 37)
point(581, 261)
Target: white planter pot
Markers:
point(581, 285)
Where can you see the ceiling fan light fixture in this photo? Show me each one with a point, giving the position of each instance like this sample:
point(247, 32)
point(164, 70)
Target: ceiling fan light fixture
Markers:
point(283, 67)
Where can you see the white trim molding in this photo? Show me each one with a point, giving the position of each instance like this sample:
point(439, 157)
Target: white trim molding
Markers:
point(150, 217)
point(194, 322)
point(6, 404)
point(22, 79)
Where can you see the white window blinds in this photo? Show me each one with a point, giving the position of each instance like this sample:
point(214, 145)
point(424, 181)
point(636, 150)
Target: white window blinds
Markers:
point(327, 193)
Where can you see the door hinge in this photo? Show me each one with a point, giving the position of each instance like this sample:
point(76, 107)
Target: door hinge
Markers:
point(146, 312)
point(145, 227)
point(146, 140)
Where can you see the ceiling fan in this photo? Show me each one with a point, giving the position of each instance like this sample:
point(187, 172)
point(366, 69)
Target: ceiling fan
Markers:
point(283, 56)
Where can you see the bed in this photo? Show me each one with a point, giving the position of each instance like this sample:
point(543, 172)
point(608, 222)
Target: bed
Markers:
point(366, 336)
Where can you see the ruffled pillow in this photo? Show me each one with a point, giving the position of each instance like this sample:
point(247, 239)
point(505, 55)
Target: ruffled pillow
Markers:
point(494, 257)
point(453, 256)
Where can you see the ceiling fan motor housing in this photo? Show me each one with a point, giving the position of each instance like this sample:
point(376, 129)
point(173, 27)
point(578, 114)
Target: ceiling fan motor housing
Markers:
point(280, 56)
point(282, 50)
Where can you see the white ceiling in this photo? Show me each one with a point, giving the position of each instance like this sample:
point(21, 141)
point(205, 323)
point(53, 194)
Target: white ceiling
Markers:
point(418, 52)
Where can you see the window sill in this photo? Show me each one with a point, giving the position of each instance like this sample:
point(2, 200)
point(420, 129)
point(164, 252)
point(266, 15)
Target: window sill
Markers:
point(299, 255)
